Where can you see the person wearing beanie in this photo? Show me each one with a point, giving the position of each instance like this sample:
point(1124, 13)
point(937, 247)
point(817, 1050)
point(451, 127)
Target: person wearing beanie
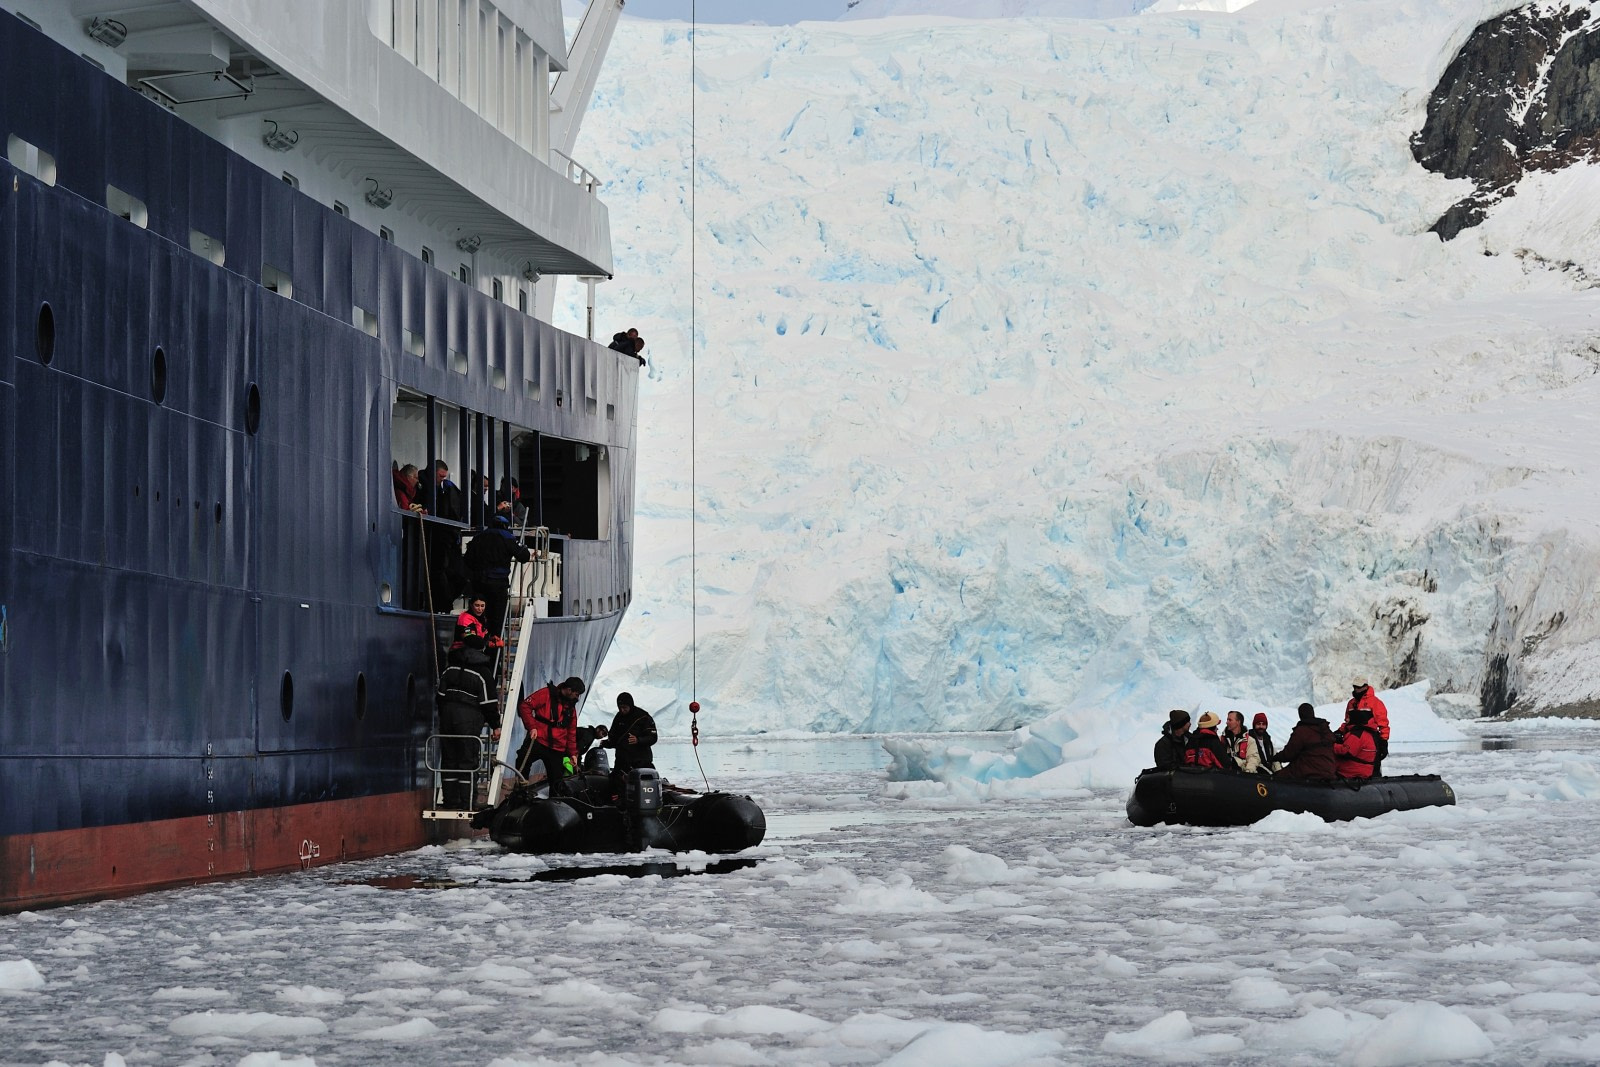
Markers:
point(1206, 748)
point(1242, 746)
point(1362, 695)
point(1265, 745)
point(1309, 751)
point(632, 734)
point(1355, 746)
point(1174, 740)
point(489, 559)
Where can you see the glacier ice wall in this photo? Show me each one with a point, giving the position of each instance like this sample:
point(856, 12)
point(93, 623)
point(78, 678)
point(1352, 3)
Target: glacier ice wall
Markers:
point(1018, 341)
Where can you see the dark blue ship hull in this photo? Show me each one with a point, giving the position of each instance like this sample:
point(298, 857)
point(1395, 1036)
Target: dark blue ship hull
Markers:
point(202, 649)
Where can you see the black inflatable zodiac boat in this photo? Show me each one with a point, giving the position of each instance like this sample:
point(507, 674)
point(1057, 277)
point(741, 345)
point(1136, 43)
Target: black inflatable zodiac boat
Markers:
point(1219, 798)
point(646, 815)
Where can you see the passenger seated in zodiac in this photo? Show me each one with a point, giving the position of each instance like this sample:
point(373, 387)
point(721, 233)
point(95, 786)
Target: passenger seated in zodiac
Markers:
point(1174, 740)
point(1206, 748)
point(1268, 750)
point(1355, 745)
point(1309, 755)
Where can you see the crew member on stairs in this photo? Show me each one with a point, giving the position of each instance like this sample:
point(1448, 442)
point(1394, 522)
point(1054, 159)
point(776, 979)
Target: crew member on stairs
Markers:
point(465, 708)
point(489, 557)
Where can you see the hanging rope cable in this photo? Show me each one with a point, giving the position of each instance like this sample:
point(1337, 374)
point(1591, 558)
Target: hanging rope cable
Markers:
point(694, 344)
point(694, 501)
point(427, 578)
point(694, 339)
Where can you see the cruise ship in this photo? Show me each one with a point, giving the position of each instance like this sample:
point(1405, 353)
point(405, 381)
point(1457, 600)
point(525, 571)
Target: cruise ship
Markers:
point(255, 259)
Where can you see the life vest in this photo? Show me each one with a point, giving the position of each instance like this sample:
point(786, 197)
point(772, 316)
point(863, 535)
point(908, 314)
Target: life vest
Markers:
point(1380, 713)
point(1239, 746)
point(1356, 752)
point(1198, 754)
point(468, 625)
point(550, 721)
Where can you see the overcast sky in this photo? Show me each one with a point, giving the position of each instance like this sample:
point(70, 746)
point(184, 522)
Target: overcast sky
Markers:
point(772, 12)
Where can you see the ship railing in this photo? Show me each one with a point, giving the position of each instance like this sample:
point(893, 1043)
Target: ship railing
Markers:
point(423, 540)
point(540, 577)
point(576, 172)
point(479, 775)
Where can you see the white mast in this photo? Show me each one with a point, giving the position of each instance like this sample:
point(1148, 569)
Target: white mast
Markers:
point(570, 94)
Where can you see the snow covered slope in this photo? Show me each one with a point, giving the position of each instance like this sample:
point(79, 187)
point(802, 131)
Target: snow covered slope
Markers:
point(1035, 353)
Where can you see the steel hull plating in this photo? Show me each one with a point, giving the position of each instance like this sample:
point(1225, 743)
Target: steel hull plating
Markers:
point(39, 870)
point(202, 673)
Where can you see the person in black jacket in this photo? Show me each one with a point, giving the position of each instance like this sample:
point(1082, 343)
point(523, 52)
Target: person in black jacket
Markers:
point(1174, 740)
point(465, 708)
point(489, 557)
point(632, 733)
point(629, 343)
point(443, 498)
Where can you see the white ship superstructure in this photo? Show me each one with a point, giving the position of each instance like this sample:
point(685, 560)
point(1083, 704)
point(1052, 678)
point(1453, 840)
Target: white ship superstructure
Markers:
point(429, 122)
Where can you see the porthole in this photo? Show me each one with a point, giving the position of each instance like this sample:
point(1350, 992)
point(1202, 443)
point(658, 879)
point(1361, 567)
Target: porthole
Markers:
point(386, 593)
point(44, 338)
point(158, 376)
point(219, 513)
point(252, 409)
point(286, 697)
point(361, 695)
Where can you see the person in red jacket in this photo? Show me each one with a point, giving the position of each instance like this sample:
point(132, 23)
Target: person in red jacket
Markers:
point(1355, 746)
point(1308, 755)
point(474, 647)
point(550, 716)
point(1364, 696)
point(405, 487)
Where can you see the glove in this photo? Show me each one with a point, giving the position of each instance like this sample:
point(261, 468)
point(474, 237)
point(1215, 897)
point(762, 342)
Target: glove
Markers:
point(567, 765)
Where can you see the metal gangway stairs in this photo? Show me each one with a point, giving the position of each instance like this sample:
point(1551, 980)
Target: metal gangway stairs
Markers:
point(534, 585)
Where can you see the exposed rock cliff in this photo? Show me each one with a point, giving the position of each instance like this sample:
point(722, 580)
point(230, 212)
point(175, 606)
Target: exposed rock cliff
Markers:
point(1522, 94)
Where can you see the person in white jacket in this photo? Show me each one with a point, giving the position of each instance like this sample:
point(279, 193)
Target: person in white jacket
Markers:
point(1266, 749)
point(1246, 748)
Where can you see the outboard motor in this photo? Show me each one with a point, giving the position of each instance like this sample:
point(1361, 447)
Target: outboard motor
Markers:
point(597, 761)
point(642, 793)
point(641, 801)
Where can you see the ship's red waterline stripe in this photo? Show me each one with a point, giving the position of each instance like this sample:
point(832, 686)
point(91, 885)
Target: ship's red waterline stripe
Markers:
point(68, 866)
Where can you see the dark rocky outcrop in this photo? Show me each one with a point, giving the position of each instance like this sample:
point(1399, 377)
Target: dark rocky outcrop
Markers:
point(1522, 94)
